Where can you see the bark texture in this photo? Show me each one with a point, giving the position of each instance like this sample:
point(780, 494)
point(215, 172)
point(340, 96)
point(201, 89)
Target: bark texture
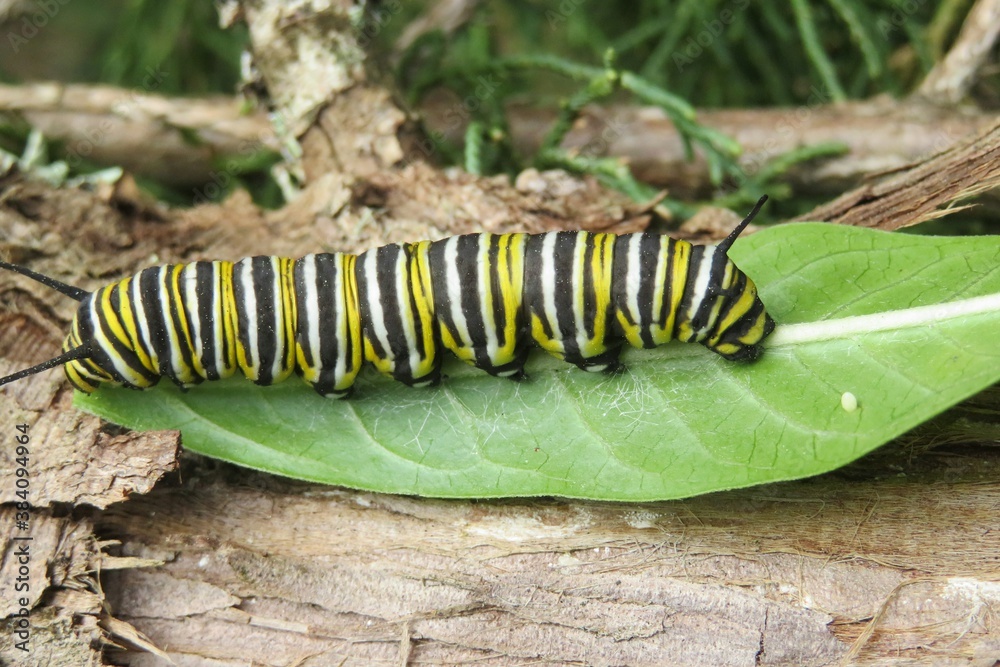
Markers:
point(790, 574)
point(922, 190)
point(891, 561)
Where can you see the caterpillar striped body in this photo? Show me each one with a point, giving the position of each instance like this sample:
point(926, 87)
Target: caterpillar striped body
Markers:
point(486, 298)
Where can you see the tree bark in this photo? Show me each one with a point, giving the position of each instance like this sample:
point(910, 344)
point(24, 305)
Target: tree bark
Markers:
point(891, 561)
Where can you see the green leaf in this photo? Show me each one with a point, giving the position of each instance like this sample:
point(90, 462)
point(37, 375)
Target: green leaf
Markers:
point(906, 324)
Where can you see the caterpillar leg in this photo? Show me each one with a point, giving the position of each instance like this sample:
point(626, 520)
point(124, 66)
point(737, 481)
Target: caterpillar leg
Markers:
point(602, 363)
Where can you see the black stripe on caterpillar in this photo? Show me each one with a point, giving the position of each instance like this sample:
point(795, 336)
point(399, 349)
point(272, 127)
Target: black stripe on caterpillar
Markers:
point(485, 297)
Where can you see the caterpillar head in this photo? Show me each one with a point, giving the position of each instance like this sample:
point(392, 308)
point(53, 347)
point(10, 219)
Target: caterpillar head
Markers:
point(88, 359)
point(88, 372)
point(72, 353)
point(726, 315)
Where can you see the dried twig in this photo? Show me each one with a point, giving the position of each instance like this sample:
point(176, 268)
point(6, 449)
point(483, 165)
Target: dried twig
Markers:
point(917, 193)
point(444, 15)
point(175, 141)
point(952, 78)
point(151, 135)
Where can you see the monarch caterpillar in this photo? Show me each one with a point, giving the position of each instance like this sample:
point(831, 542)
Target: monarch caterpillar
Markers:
point(485, 297)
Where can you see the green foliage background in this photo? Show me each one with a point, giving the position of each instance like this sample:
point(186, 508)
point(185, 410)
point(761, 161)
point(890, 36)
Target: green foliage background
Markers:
point(677, 53)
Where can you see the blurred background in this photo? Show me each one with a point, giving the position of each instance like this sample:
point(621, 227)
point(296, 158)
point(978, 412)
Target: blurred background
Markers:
point(714, 55)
